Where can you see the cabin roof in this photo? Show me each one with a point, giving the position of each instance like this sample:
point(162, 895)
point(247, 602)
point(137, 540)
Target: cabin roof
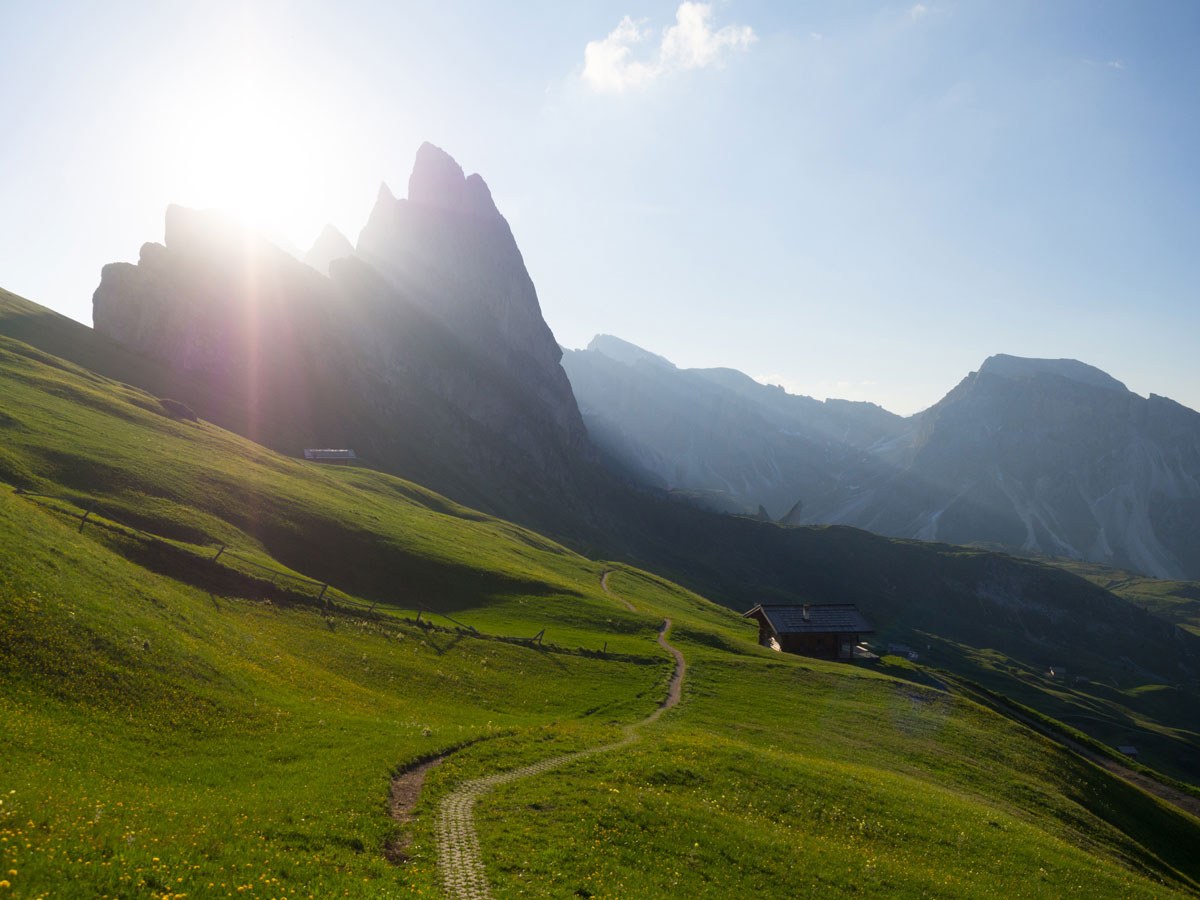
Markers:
point(329, 454)
point(839, 618)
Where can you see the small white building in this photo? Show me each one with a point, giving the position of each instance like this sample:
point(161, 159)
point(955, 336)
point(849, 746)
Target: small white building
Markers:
point(334, 457)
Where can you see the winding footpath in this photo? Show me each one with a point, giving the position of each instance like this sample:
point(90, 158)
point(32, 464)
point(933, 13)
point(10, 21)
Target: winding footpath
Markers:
point(618, 597)
point(459, 856)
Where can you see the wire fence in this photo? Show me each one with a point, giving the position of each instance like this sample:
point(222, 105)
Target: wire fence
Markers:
point(93, 511)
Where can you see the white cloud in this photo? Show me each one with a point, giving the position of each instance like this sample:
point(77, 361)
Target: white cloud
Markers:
point(1118, 64)
point(917, 10)
point(610, 66)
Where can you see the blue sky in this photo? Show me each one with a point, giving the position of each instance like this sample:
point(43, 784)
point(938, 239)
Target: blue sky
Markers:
point(852, 199)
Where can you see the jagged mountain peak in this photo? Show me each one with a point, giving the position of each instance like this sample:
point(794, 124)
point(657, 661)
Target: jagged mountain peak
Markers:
point(426, 349)
point(209, 237)
point(184, 226)
point(1046, 455)
point(625, 352)
point(1007, 366)
point(438, 181)
point(331, 244)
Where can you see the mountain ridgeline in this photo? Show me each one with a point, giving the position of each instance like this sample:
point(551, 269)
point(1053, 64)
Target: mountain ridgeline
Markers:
point(734, 442)
point(423, 348)
point(1050, 456)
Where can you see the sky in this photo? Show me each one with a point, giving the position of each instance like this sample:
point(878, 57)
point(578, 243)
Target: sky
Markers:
point(851, 199)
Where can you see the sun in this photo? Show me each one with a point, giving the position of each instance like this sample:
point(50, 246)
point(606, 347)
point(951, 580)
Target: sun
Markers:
point(253, 145)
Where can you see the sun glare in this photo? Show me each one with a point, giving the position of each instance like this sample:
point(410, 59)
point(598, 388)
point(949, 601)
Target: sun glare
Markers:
point(253, 145)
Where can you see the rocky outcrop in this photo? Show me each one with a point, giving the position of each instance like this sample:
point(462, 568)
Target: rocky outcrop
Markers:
point(447, 248)
point(437, 181)
point(1052, 456)
point(195, 299)
point(330, 244)
point(795, 515)
point(424, 349)
point(239, 322)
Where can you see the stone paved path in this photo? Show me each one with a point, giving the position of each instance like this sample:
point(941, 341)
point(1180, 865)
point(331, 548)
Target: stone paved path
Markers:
point(459, 857)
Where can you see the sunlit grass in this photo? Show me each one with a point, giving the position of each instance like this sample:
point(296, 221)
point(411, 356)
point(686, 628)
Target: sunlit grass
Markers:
point(173, 728)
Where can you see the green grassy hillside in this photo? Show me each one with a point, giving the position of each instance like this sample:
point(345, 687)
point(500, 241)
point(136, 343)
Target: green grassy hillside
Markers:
point(804, 779)
point(1176, 601)
point(178, 725)
point(995, 619)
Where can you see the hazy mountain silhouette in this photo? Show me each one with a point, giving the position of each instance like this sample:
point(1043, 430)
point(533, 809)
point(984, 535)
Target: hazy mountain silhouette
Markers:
point(1046, 455)
point(425, 350)
point(716, 432)
point(1052, 456)
point(330, 244)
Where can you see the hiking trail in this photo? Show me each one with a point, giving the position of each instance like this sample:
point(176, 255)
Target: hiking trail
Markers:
point(459, 856)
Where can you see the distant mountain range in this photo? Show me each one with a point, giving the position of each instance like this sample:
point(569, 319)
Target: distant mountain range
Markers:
point(423, 348)
point(1051, 456)
point(719, 435)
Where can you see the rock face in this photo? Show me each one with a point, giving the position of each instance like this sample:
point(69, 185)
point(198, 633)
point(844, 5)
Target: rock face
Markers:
point(1051, 456)
point(716, 433)
point(237, 320)
point(331, 244)
point(424, 349)
point(426, 352)
point(448, 249)
point(1045, 455)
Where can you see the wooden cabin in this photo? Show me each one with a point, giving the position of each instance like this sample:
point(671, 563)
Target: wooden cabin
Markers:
point(334, 457)
point(824, 630)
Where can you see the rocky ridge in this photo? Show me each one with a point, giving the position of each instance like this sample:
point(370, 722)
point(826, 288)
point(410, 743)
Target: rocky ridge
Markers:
point(424, 348)
point(1050, 456)
point(330, 244)
point(716, 435)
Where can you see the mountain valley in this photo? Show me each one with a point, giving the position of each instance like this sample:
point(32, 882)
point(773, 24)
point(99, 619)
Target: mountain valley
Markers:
point(250, 645)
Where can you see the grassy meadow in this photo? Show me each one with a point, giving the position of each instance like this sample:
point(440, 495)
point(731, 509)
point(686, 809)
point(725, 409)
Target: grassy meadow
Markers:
point(1178, 601)
point(778, 777)
point(387, 541)
point(175, 726)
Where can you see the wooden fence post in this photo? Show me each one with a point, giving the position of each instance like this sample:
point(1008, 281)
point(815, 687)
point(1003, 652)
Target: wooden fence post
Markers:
point(219, 552)
point(324, 588)
point(538, 637)
point(87, 513)
point(418, 617)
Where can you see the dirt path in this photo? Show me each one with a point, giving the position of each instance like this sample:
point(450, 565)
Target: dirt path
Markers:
point(406, 788)
point(1180, 800)
point(1177, 798)
point(675, 687)
point(459, 856)
point(604, 584)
